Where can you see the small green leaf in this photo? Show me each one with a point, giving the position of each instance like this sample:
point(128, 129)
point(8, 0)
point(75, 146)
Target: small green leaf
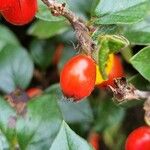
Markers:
point(16, 68)
point(140, 62)
point(68, 139)
point(116, 43)
point(138, 34)
point(120, 11)
point(103, 57)
point(45, 29)
point(42, 52)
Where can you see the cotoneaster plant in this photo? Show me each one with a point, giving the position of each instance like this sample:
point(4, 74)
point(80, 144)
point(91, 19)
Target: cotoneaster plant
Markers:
point(20, 12)
point(77, 78)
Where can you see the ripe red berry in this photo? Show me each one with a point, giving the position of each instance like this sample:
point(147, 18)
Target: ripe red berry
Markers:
point(94, 140)
point(77, 78)
point(32, 92)
point(5, 4)
point(21, 12)
point(116, 72)
point(139, 139)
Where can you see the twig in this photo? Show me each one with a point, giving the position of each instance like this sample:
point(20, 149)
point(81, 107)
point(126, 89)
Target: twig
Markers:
point(82, 31)
point(124, 91)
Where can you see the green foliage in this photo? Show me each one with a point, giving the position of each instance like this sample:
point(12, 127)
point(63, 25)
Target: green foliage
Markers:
point(120, 12)
point(140, 61)
point(45, 29)
point(16, 68)
point(45, 125)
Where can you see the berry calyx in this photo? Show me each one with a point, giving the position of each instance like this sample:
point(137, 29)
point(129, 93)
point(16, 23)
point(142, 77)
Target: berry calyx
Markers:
point(77, 78)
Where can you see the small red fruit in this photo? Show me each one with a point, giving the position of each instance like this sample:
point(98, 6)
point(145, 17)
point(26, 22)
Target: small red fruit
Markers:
point(32, 92)
point(77, 78)
point(139, 139)
point(94, 140)
point(5, 4)
point(116, 72)
point(21, 12)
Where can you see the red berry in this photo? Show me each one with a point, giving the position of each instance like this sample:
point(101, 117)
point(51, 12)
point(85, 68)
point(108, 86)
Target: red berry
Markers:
point(32, 92)
point(5, 4)
point(94, 140)
point(77, 79)
point(139, 139)
point(116, 72)
point(21, 12)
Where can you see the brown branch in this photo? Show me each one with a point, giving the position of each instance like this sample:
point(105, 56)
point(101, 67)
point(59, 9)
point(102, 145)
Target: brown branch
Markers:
point(124, 91)
point(81, 29)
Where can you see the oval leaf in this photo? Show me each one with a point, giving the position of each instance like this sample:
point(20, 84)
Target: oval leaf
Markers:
point(16, 68)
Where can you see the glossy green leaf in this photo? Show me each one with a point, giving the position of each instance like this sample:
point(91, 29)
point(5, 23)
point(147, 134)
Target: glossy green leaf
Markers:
point(120, 11)
point(16, 68)
point(140, 62)
point(72, 112)
point(139, 33)
point(7, 37)
point(41, 123)
point(42, 52)
point(44, 29)
point(45, 14)
point(67, 139)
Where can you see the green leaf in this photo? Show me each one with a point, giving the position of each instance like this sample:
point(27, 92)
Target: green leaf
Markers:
point(70, 140)
point(72, 112)
point(7, 122)
point(39, 128)
point(103, 57)
point(120, 11)
point(117, 43)
point(140, 62)
point(42, 52)
point(139, 82)
point(138, 34)
point(108, 115)
point(16, 68)
point(45, 14)
point(45, 29)
point(7, 37)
